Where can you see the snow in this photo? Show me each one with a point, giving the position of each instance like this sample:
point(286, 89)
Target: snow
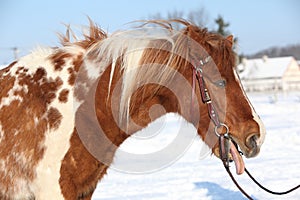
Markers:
point(192, 177)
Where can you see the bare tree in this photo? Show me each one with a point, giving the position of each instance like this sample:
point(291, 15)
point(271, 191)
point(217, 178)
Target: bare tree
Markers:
point(198, 17)
point(175, 15)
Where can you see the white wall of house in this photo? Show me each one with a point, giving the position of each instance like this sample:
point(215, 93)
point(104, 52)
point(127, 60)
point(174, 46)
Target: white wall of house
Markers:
point(292, 73)
point(270, 74)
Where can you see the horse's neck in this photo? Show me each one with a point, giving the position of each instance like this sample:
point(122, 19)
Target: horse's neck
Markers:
point(144, 106)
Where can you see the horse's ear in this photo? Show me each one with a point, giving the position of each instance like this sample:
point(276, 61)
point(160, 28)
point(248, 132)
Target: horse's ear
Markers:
point(213, 43)
point(229, 39)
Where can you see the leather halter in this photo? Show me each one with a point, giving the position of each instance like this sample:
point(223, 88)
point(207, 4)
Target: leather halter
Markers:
point(198, 74)
point(224, 138)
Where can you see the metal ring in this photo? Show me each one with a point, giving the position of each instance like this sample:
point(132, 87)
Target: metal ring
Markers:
point(224, 125)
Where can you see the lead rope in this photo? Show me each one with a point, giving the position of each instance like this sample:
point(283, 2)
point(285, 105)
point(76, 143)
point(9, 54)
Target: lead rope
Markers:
point(266, 189)
point(224, 140)
point(226, 166)
point(224, 143)
point(236, 183)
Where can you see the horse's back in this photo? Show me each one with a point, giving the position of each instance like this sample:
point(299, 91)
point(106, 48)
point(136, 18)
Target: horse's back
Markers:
point(36, 123)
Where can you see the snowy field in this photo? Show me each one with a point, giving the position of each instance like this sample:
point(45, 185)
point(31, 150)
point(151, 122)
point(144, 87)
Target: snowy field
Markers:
point(192, 177)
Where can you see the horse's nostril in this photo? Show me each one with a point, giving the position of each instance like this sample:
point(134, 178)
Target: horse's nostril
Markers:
point(251, 143)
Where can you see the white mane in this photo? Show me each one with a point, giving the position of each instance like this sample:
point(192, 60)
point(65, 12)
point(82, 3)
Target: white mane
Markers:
point(129, 48)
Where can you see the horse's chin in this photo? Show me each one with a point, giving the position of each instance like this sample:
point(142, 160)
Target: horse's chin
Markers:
point(235, 156)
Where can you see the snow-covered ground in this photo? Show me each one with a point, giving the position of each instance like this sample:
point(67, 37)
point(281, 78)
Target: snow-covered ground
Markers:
point(192, 177)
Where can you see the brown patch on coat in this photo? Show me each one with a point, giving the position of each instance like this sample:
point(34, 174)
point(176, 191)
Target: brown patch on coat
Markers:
point(88, 171)
point(59, 59)
point(63, 96)
point(77, 62)
point(54, 118)
point(72, 76)
point(39, 74)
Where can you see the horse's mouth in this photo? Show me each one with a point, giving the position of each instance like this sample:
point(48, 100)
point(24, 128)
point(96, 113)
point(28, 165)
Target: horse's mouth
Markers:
point(234, 156)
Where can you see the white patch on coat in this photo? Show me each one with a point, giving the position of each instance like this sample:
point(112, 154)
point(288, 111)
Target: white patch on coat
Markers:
point(254, 114)
point(20, 158)
point(36, 59)
point(22, 191)
point(56, 142)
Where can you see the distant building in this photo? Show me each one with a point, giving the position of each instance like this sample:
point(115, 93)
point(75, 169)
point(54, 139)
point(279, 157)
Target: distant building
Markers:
point(270, 74)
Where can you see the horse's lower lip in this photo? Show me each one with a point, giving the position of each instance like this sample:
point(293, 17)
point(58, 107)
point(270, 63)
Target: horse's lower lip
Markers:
point(251, 152)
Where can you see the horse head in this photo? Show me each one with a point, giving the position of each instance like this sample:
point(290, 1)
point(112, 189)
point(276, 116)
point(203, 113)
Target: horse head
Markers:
point(231, 104)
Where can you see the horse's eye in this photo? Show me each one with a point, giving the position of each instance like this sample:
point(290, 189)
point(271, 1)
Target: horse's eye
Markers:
point(220, 83)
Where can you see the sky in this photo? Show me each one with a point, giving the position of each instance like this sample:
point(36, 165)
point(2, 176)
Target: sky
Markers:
point(258, 24)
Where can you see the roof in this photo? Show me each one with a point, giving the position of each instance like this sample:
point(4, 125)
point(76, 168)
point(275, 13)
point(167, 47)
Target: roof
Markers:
point(264, 68)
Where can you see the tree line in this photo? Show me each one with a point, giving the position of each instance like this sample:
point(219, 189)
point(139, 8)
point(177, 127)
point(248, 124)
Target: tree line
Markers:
point(289, 50)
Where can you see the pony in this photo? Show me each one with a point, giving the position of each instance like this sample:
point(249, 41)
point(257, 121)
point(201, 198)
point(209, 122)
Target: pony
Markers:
point(64, 111)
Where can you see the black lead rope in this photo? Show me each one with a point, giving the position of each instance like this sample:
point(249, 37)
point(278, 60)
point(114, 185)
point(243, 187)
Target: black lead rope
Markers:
point(266, 189)
point(224, 143)
point(225, 161)
point(256, 182)
point(236, 183)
